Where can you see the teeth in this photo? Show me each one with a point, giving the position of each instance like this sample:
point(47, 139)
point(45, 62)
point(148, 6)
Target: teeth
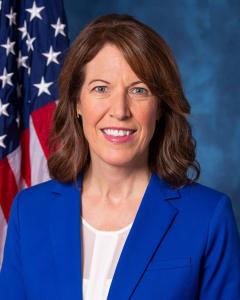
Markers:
point(117, 132)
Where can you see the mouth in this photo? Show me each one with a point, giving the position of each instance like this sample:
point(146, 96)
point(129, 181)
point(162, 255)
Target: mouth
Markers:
point(118, 132)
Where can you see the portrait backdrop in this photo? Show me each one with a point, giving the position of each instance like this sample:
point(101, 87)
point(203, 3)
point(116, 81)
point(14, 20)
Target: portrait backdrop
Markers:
point(205, 39)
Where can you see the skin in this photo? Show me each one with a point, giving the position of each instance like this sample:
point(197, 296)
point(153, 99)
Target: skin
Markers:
point(113, 95)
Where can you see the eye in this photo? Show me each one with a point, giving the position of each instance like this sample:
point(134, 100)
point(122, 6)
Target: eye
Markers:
point(100, 89)
point(139, 91)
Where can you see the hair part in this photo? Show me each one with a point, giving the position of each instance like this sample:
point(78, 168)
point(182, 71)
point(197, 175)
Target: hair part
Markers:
point(172, 147)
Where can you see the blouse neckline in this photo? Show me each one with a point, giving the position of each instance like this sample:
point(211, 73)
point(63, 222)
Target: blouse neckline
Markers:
point(97, 231)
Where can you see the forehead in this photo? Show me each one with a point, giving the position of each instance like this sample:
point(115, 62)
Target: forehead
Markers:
point(109, 63)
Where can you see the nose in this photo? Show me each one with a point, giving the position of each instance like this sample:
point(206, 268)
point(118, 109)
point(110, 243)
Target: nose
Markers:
point(120, 106)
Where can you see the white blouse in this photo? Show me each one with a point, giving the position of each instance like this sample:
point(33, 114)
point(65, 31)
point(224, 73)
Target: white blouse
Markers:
point(101, 251)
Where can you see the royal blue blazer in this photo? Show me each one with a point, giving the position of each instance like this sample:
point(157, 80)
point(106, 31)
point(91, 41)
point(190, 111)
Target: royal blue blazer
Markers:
point(183, 245)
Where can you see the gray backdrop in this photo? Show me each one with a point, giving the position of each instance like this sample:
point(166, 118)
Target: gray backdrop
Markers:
point(205, 38)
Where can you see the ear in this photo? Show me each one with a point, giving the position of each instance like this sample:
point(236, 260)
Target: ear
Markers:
point(79, 111)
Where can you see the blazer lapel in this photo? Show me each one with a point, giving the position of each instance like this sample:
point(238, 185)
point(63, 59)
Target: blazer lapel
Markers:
point(154, 218)
point(65, 238)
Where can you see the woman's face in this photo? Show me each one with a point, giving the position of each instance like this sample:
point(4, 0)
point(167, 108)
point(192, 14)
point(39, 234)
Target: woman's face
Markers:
point(118, 111)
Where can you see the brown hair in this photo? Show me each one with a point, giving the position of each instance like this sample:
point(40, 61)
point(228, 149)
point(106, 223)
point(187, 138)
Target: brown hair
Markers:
point(172, 148)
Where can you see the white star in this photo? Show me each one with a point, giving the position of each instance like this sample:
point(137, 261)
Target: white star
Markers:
point(22, 60)
point(2, 137)
point(35, 11)
point(59, 28)
point(6, 78)
point(23, 30)
point(43, 87)
point(12, 17)
point(3, 109)
point(29, 42)
point(9, 46)
point(51, 56)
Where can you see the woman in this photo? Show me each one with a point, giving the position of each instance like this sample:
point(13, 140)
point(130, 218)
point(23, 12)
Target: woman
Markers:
point(123, 217)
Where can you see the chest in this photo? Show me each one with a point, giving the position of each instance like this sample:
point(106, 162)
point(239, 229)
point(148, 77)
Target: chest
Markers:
point(100, 254)
point(107, 216)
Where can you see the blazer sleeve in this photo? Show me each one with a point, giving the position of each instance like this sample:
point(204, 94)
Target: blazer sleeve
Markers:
point(11, 277)
point(221, 272)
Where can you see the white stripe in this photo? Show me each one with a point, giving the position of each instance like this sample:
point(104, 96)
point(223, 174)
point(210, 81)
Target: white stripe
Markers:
point(39, 170)
point(14, 160)
point(3, 231)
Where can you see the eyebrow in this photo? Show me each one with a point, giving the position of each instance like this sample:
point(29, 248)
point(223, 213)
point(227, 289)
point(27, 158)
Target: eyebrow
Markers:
point(133, 83)
point(98, 80)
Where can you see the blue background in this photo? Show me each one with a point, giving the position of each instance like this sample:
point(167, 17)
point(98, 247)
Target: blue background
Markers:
point(205, 38)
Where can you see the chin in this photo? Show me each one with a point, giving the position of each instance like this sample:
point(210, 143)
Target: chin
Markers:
point(121, 159)
point(118, 157)
point(118, 161)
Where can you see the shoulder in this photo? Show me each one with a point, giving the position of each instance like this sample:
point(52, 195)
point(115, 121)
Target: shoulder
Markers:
point(38, 191)
point(38, 197)
point(201, 200)
point(200, 191)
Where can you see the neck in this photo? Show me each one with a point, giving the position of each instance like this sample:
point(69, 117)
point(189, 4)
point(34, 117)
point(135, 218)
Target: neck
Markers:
point(116, 185)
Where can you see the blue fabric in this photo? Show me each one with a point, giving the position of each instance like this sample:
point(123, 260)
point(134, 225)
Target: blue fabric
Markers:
point(183, 244)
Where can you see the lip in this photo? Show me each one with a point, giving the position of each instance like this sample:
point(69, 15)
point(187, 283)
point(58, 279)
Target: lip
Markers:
point(119, 139)
point(119, 128)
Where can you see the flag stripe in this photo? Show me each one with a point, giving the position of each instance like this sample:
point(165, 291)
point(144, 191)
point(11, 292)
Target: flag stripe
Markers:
point(43, 129)
point(3, 230)
point(14, 160)
point(25, 163)
point(38, 159)
point(8, 188)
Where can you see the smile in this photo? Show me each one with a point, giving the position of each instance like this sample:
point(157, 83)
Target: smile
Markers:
point(118, 136)
point(115, 132)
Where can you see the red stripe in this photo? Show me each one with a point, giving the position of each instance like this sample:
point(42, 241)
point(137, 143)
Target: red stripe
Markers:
point(42, 121)
point(8, 187)
point(25, 162)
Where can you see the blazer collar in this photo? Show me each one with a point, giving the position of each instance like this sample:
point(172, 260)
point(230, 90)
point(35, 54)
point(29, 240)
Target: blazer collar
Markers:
point(153, 219)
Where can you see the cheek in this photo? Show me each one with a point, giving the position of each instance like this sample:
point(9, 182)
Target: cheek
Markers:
point(147, 118)
point(91, 112)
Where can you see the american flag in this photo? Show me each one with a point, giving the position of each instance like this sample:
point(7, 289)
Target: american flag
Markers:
point(33, 41)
